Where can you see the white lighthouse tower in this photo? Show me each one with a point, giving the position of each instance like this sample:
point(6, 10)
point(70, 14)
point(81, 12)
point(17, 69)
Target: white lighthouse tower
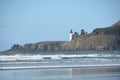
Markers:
point(71, 35)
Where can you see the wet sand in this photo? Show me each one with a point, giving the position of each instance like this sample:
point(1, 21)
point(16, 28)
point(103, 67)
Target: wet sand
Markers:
point(83, 73)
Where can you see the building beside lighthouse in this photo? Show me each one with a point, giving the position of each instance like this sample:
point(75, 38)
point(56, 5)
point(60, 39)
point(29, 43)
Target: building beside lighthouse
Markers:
point(71, 35)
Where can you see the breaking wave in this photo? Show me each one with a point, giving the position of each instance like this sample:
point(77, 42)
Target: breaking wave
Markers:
point(58, 66)
point(28, 61)
point(55, 57)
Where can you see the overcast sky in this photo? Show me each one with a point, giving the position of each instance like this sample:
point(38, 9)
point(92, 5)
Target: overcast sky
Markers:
point(29, 21)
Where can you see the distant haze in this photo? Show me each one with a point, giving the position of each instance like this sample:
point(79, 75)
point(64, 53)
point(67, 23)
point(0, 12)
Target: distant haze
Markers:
point(28, 21)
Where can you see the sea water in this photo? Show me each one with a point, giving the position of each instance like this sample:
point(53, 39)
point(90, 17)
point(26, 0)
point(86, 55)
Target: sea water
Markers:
point(61, 66)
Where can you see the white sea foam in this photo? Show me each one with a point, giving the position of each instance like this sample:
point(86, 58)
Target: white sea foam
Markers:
point(57, 56)
point(19, 57)
point(58, 60)
point(60, 66)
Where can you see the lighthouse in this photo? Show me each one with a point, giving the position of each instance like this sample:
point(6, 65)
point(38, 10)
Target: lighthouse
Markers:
point(71, 34)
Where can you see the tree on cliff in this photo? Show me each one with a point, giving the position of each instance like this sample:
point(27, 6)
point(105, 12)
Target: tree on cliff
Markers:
point(75, 35)
point(83, 32)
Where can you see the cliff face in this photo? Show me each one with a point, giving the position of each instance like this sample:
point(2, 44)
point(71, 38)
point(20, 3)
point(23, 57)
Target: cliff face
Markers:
point(96, 43)
point(101, 39)
point(45, 46)
point(41, 46)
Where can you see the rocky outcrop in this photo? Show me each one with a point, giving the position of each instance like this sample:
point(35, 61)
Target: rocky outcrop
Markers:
point(42, 46)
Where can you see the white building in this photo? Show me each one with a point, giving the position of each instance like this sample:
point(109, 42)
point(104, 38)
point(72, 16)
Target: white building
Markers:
point(71, 35)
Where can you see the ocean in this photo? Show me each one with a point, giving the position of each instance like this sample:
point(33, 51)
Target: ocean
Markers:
point(60, 66)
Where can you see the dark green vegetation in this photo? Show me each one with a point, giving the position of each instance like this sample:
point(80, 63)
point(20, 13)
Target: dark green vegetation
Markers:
point(101, 39)
point(107, 31)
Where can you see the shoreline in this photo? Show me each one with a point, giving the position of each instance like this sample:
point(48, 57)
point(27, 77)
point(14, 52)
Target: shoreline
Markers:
point(60, 66)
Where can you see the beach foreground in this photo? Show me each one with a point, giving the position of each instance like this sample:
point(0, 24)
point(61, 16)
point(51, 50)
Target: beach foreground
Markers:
point(83, 73)
point(61, 66)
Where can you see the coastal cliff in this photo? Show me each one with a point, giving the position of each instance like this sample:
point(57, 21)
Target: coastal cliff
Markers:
point(101, 39)
point(41, 46)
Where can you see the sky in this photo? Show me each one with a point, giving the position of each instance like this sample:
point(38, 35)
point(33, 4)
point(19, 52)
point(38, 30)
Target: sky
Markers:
point(30, 21)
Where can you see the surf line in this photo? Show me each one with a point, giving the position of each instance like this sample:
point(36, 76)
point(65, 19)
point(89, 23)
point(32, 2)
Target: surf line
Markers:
point(60, 66)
